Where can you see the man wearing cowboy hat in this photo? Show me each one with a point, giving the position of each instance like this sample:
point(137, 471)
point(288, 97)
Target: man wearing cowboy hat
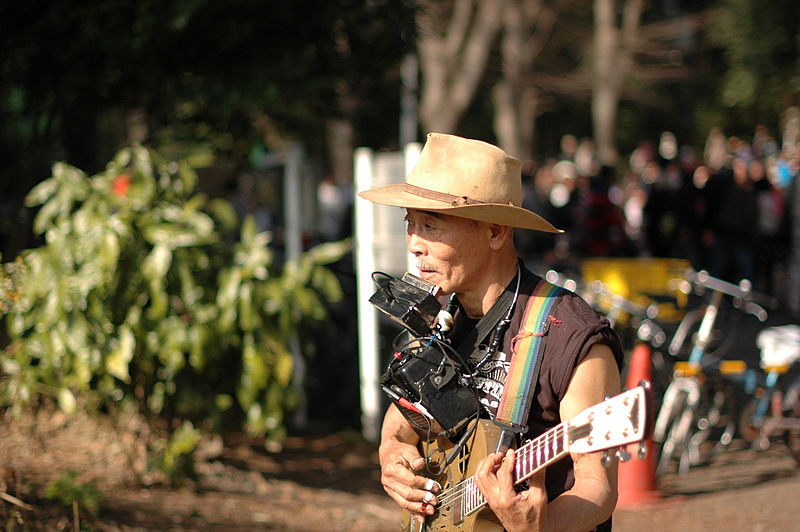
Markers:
point(462, 201)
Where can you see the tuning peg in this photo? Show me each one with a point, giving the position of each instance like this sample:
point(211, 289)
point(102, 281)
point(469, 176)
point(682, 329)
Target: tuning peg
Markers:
point(606, 459)
point(642, 454)
point(623, 455)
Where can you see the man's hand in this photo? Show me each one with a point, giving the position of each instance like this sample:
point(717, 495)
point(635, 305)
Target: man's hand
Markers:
point(524, 510)
point(410, 491)
point(400, 463)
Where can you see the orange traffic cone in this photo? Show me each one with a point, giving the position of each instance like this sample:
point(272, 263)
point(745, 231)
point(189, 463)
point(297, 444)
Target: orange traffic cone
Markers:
point(637, 477)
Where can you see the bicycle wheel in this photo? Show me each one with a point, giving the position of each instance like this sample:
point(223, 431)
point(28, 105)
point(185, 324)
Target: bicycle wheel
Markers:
point(747, 429)
point(716, 424)
point(675, 442)
point(792, 409)
point(674, 424)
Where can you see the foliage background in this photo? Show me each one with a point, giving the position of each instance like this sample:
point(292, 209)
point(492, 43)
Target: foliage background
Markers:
point(143, 295)
point(219, 85)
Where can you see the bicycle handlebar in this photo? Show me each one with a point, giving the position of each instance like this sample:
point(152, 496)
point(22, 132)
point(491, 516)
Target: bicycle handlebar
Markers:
point(748, 300)
point(597, 290)
point(617, 301)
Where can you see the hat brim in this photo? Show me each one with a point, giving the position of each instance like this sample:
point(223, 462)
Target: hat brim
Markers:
point(510, 215)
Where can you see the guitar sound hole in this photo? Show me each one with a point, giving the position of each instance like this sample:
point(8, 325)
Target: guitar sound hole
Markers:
point(463, 458)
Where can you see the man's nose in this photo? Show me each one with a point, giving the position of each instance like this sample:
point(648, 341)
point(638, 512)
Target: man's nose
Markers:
point(415, 244)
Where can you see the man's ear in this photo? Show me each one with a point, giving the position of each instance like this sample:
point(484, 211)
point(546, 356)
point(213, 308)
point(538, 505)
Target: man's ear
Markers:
point(499, 234)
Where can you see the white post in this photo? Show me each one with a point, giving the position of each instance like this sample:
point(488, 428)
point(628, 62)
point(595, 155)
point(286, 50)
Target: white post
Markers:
point(380, 245)
point(292, 201)
point(367, 315)
point(410, 157)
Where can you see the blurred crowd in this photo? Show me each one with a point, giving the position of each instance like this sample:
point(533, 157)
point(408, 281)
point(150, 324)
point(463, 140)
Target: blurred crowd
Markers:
point(733, 209)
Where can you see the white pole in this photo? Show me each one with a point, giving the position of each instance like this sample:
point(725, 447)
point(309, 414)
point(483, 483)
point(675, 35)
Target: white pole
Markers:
point(367, 315)
point(390, 247)
point(410, 156)
point(292, 201)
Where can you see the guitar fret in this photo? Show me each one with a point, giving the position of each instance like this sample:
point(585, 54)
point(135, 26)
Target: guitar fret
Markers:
point(467, 502)
point(547, 445)
point(465, 498)
point(540, 458)
point(473, 493)
point(555, 444)
point(476, 499)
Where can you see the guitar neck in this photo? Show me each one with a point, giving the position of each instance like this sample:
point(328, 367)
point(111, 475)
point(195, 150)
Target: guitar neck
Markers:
point(617, 421)
point(529, 458)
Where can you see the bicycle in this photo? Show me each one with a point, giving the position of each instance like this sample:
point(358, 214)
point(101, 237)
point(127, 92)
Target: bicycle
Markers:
point(613, 306)
point(698, 414)
point(773, 412)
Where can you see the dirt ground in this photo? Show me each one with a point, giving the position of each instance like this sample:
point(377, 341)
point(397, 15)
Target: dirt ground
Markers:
point(324, 483)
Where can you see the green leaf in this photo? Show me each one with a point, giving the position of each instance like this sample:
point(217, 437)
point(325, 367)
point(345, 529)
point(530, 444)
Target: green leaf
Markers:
point(328, 284)
point(66, 401)
point(118, 361)
point(329, 252)
point(41, 193)
point(157, 263)
point(224, 212)
point(188, 176)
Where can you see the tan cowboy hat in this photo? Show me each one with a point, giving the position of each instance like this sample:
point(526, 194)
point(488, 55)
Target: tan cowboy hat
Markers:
point(467, 178)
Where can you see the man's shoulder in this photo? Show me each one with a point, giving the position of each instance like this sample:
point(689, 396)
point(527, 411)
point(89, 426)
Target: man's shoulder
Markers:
point(566, 300)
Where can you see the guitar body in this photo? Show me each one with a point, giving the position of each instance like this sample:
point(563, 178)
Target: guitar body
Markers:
point(616, 422)
point(448, 516)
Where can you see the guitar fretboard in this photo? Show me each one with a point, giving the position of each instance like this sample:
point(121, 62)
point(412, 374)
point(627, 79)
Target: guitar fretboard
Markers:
point(530, 458)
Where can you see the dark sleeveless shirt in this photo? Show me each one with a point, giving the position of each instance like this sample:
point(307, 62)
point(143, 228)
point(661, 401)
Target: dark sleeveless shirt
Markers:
point(574, 328)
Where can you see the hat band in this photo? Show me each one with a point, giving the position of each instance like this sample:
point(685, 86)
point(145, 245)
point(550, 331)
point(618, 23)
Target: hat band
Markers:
point(452, 199)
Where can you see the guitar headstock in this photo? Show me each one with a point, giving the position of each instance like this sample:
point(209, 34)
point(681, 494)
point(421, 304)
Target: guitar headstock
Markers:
point(615, 422)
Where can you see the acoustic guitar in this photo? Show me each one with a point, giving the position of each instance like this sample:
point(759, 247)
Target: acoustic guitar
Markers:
point(616, 422)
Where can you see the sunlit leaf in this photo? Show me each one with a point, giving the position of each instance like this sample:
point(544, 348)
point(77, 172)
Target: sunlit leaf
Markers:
point(224, 212)
point(66, 401)
point(329, 252)
point(117, 362)
point(41, 193)
point(157, 263)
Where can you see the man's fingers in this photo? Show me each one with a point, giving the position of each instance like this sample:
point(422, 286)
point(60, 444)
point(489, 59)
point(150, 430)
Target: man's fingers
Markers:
point(417, 463)
point(418, 508)
point(506, 466)
point(537, 480)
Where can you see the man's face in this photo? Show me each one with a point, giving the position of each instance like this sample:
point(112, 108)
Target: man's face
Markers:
point(450, 251)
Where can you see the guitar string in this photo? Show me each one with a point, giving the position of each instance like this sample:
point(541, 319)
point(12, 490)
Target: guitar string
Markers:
point(537, 444)
point(534, 445)
point(527, 451)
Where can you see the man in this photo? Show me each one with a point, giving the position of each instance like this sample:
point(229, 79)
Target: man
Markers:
point(463, 201)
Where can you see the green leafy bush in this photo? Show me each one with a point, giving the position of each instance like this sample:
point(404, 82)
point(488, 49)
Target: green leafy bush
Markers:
point(69, 492)
point(145, 291)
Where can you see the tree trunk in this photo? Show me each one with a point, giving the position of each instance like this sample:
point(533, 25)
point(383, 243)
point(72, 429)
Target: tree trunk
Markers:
point(454, 44)
point(526, 29)
point(515, 118)
point(613, 60)
point(340, 136)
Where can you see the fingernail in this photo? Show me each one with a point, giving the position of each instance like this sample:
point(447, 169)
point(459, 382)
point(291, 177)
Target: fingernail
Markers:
point(431, 484)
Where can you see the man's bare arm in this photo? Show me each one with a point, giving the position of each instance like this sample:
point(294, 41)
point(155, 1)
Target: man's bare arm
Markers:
point(592, 498)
